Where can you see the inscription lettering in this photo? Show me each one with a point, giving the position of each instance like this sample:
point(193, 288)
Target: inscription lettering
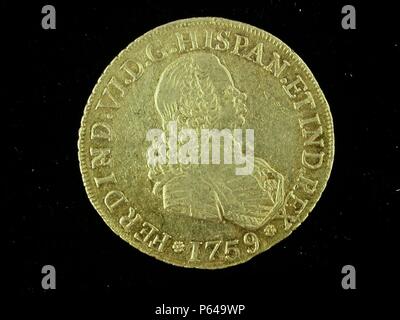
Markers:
point(240, 43)
point(309, 121)
point(113, 199)
point(275, 65)
point(231, 249)
point(155, 54)
point(257, 52)
point(312, 160)
point(309, 186)
point(296, 86)
point(150, 235)
point(133, 218)
point(101, 157)
point(208, 40)
point(194, 255)
point(223, 249)
point(308, 100)
point(312, 137)
point(107, 179)
point(132, 71)
point(113, 91)
point(216, 244)
point(187, 38)
point(223, 42)
point(294, 201)
point(251, 240)
point(100, 131)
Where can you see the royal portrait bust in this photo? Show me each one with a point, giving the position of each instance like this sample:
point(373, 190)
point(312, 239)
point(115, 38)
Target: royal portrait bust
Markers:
point(197, 92)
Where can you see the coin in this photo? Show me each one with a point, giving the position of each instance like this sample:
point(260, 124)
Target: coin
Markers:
point(205, 142)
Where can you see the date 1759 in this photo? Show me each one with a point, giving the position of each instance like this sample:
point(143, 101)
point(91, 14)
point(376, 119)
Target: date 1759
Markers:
point(224, 249)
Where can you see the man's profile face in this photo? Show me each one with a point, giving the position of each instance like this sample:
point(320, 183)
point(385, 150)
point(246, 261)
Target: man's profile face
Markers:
point(231, 100)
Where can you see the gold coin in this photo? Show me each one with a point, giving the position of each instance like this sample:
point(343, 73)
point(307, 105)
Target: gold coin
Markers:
point(205, 142)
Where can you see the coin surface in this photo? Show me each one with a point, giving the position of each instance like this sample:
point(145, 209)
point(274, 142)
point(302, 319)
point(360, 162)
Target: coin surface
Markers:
point(205, 142)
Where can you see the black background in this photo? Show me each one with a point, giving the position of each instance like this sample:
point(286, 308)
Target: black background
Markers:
point(52, 73)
